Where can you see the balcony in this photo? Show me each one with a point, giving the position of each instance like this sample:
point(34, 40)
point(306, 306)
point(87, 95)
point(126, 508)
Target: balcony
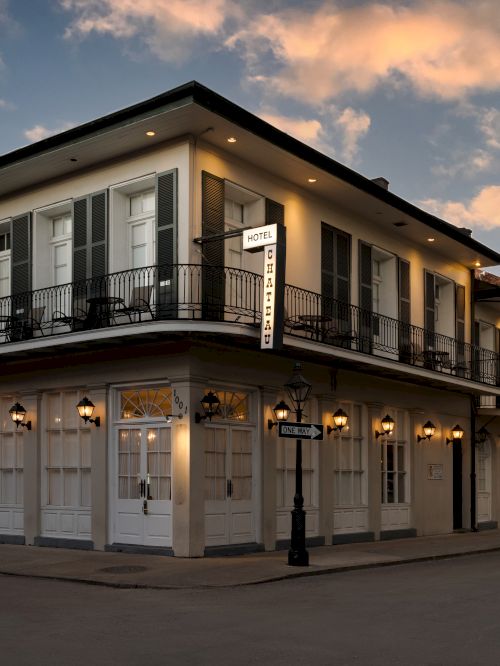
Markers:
point(191, 292)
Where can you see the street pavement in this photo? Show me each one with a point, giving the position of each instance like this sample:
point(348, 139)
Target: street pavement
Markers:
point(124, 570)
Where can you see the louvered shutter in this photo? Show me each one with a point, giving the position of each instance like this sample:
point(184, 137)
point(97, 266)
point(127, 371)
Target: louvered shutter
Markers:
point(497, 349)
point(342, 277)
point(21, 266)
point(430, 314)
point(460, 328)
point(212, 222)
point(327, 269)
point(365, 296)
point(476, 354)
point(275, 212)
point(166, 243)
point(335, 275)
point(404, 310)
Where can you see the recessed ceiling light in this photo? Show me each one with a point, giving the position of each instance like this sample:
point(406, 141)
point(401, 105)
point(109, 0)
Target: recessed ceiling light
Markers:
point(477, 264)
point(312, 180)
point(231, 139)
point(431, 240)
point(150, 133)
point(73, 159)
point(401, 223)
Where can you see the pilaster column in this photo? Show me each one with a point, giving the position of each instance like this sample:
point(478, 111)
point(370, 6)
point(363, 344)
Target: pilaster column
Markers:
point(32, 468)
point(417, 470)
point(268, 471)
point(326, 455)
point(188, 471)
point(374, 467)
point(99, 467)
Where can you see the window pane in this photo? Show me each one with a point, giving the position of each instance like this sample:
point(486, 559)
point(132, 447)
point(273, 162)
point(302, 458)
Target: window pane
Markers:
point(401, 488)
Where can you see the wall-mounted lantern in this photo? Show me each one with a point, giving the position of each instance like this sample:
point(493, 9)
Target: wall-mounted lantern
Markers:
point(17, 414)
point(387, 424)
point(85, 409)
point(340, 419)
point(210, 403)
point(429, 429)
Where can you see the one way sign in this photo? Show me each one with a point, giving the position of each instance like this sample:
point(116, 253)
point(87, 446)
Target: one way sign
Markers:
point(300, 430)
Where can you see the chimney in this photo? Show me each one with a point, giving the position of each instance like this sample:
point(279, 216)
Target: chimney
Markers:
point(381, 182)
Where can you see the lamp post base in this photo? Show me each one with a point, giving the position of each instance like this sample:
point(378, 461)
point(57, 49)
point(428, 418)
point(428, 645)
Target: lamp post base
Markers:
point(297, 554)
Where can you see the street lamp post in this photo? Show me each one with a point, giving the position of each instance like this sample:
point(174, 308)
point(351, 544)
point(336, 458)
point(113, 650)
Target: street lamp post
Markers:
point(298, 390)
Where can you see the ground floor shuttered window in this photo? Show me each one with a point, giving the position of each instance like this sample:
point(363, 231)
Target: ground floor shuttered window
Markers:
point(285, 472)
point(350, 460)
point(11, 460)
point(66, 454)
point(394, 463)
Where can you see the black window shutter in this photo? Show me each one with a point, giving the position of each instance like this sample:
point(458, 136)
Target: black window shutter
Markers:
point(21, 254)
point(460, 328)
point(21, 266)
point(365, 296)
point(404, 310)
point(98, 234)
point(212, 222)
point(80, 265)
point(342, 267)
point(460, 313)
point(275, 212)
point(166, 243)
point(429, 315)
point(335, 274)
point(327, 269)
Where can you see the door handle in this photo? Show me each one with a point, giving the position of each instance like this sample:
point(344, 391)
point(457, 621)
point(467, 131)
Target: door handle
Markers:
point(142, 488)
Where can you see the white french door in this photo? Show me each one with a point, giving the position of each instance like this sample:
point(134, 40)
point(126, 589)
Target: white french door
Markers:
point(483, 467)
point(143, 503)
point(229, 488)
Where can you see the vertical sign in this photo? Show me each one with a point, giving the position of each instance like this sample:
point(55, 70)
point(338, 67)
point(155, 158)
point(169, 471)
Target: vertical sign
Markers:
point(267, 328)
point(271, 239)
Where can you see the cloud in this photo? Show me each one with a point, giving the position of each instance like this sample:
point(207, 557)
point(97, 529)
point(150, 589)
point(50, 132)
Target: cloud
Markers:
point(165, 26)
point(440, 48)
point(482, 211)
point(39, 132)
point(305, 130)
point(354, 125)
point(467, 164)
point(335, 131)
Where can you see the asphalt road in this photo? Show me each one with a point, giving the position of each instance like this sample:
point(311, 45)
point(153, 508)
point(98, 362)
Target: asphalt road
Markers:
point(429, 614)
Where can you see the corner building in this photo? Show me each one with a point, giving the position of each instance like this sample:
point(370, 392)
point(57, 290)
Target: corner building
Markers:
point(123, 280)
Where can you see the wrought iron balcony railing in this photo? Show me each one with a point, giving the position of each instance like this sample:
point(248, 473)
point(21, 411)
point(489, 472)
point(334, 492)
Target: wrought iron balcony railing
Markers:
point(192, 291)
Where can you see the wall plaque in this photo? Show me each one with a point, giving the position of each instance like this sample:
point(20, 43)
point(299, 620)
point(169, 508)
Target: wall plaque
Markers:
point(435, 472)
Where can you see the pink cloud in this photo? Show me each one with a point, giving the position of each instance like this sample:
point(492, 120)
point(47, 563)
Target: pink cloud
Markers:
point(39, 132)
point(443, 49)
point(165, 26)
point(483, 210)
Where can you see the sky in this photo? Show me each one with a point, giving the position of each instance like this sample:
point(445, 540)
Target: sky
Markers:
point(407, 90)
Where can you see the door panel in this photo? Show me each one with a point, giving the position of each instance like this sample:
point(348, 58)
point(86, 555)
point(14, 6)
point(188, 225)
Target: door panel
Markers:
point(143, 503)
point(229, 495)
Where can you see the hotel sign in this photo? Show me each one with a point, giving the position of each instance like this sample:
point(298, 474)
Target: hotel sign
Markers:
point(271, 239)
point(255, 239)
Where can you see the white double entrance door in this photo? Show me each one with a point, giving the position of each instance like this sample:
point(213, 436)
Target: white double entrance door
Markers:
point(230, 494)
point(142, 488)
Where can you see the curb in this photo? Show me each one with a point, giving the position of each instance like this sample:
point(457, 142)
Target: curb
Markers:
point(274, 579)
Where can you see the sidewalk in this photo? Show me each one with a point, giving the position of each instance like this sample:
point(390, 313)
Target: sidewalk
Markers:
point(157, 572)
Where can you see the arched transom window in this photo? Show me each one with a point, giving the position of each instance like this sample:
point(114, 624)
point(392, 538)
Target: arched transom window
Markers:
point(146, 403)
point(233, 405)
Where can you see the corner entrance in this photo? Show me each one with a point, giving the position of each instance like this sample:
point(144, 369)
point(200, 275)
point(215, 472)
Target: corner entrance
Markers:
point(143, 514)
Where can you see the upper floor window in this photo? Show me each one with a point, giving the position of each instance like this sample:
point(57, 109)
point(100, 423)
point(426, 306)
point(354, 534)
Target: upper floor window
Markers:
point(142, 203)
point(61, 226)
point(4, 242)
point(141, 207)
